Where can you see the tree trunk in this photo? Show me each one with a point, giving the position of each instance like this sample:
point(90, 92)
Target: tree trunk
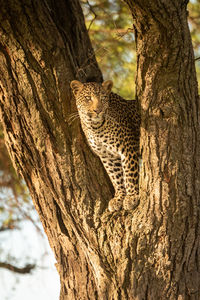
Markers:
point(43, 47)
point(167, 260)
point(149, 253)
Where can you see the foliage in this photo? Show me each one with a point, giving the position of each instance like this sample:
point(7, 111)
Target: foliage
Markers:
point(111, 31)
point(15, 204)
point(14, 196)
point(194, 23)
point(110, 27)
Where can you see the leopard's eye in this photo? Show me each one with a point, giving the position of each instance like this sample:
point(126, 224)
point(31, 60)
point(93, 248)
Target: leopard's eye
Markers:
point(88, 98)
point(103, 97)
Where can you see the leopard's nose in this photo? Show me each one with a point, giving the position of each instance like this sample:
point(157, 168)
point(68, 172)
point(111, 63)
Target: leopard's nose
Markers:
point(97, 111)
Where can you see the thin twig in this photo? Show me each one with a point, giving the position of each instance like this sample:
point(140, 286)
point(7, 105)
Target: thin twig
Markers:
point(94, 13)
point(25, 270)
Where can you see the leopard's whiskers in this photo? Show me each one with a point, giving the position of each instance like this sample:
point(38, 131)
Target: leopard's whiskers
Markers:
point(73, 114)
point(73, 117)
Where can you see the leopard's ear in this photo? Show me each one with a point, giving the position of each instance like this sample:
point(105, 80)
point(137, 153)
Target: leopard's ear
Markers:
point(107, 86)
point(76, 86)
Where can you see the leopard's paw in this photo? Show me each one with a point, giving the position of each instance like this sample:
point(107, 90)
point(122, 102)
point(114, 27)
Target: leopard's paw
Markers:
point(131, 202)
point(115, 203)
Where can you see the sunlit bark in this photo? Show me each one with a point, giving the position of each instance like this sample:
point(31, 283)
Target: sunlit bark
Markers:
point(149, 253)
point(168, 226)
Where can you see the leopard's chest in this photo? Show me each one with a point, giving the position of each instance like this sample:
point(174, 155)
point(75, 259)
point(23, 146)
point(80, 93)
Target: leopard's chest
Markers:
point(104, 140)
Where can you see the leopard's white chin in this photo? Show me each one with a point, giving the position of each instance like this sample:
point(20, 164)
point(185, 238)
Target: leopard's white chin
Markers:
point(98, 118)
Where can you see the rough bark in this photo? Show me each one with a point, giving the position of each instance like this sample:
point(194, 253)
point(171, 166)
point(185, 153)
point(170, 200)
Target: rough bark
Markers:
point(168, 250)
point(43, 46)
point(149, 253)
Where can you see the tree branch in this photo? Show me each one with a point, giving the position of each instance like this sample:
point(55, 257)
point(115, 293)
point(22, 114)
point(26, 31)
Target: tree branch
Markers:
point(8, 227)
point(25, 270)
point(94, 13)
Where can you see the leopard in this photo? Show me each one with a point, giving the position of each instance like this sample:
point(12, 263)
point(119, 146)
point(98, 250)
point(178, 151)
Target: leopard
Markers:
point(111, 125)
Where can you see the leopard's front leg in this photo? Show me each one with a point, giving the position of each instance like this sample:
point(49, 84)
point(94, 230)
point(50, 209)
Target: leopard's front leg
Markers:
point(113, 166)
point(130, 165)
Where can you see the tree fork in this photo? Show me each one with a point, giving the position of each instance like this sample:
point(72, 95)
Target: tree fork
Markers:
point(151, 252)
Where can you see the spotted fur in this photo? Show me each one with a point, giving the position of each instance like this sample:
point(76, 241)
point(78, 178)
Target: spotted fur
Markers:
point(111, 125)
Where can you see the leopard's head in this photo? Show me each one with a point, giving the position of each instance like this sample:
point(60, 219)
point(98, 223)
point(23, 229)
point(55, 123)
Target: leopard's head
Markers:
point(92, 98)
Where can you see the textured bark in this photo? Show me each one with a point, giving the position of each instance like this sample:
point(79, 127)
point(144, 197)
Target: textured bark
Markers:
point(167, 264)
point(43, 46)
point(149, 253)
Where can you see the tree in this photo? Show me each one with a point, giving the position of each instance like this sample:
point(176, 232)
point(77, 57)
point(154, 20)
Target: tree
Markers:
point(151, 252)
point(109, 24)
